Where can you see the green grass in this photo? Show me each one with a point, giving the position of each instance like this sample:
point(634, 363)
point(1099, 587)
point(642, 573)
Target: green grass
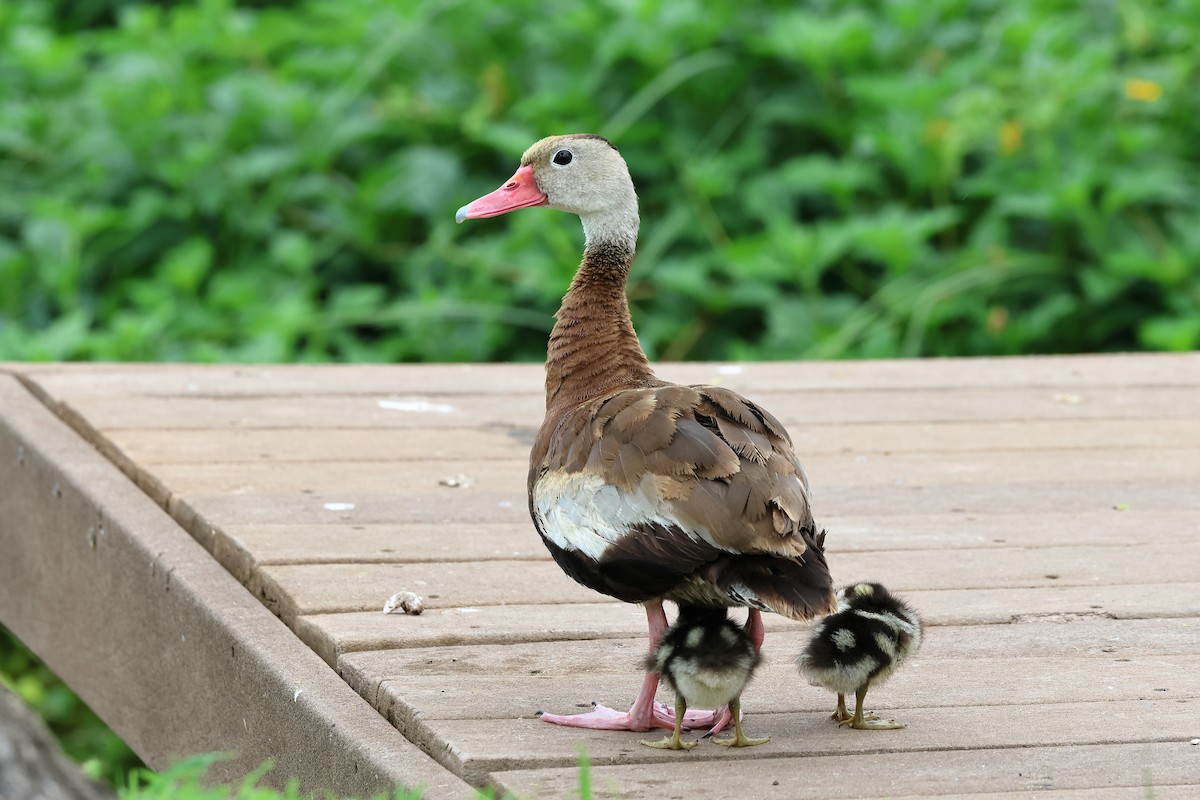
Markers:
point(83, 735)
point(185, 781)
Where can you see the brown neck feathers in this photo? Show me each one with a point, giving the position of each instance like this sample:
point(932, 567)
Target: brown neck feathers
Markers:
point(593, 349)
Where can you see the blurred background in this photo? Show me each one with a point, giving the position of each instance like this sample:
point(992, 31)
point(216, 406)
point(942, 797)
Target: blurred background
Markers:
point(261, 181)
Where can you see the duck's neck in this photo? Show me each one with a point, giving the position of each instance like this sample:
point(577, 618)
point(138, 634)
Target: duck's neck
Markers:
point(593, 348)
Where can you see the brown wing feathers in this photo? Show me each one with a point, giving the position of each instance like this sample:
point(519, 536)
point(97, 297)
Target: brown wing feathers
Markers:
point(726, 495)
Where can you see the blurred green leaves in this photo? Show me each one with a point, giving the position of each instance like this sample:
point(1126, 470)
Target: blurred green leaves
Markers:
point(83, 736)
point(274, 181)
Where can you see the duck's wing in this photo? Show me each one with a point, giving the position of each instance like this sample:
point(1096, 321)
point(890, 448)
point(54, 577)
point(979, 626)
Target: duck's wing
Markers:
point(646, 488)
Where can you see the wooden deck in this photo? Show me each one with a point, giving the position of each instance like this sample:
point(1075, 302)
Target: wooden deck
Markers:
point(1042, 513)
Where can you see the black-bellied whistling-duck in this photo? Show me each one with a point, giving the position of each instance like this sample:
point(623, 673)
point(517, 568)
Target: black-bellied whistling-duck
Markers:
point(643, 489)
point(706, 660)
point(860, 646)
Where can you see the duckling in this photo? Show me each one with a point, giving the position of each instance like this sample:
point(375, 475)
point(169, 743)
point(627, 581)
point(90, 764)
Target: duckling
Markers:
point(859, 646)
point(706, 659)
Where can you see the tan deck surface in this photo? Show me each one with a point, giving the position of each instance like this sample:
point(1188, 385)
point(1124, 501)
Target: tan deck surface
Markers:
point(1043, 514)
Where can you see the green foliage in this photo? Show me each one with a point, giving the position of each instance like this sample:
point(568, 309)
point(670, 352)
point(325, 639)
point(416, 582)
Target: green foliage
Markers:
point(83, 736)
point(210, 181)
point(185, 781)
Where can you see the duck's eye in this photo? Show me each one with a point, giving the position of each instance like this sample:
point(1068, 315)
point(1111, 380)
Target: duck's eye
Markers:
point(562, 158)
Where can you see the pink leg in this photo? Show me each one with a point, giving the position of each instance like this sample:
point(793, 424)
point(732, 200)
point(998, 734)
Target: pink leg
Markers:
point(645, 714)
point(754, 627)
point(756, 631)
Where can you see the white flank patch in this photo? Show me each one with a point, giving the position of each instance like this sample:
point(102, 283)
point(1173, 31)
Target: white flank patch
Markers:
point(844, 639)
point(417, 406)
point(339, 506)
point(578, 511)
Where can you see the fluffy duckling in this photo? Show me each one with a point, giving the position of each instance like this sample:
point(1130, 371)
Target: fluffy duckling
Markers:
point(859, 646)
point(707, 660)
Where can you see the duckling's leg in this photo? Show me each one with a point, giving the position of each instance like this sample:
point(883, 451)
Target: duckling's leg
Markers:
point(755, 628)
point(739, 739)
point(674, 741)
point(644, 714)
point(842, 715)
point(868, 721)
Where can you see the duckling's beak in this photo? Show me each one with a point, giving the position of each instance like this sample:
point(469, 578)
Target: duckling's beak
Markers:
point(519, 191)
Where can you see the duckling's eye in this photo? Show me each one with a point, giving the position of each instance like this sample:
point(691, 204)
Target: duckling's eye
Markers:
point(562, 158)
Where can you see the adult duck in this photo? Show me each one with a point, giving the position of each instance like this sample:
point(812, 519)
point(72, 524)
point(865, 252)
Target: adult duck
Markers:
point(642, 489)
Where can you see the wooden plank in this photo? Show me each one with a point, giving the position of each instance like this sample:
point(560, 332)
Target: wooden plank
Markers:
point(150, 447)
point(325, 588)
point(780, 691)
point(1158, 767)
point(926, 469)
point(502, 745)
point(332, 635)
point(519, 680)
point(795, 410)
point(963, 531)
point(128, 380)
point(1018, 499)
point(617, 636)
point(401, 543)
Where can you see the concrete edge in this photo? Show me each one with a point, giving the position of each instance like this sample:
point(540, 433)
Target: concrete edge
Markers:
point(165, 645)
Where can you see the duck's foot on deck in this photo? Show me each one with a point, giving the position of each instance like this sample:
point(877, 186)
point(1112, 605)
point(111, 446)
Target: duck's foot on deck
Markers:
point(637, 718)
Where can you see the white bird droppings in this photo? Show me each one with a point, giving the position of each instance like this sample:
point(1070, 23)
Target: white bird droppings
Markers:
point(296, 696)
point(729, 369)
point(417, 406)
point(339, 506)
point(468, 611)
point(408, 602)
point(457, 481)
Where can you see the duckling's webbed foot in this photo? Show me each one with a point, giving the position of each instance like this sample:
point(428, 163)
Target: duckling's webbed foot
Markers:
point(672, 742)
point(861, 721)
point(739, 739)
point(843, 716)
point(675, 740)
point(873, 724)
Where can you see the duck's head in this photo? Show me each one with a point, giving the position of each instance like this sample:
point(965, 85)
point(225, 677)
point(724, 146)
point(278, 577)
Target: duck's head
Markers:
point(580, 173)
